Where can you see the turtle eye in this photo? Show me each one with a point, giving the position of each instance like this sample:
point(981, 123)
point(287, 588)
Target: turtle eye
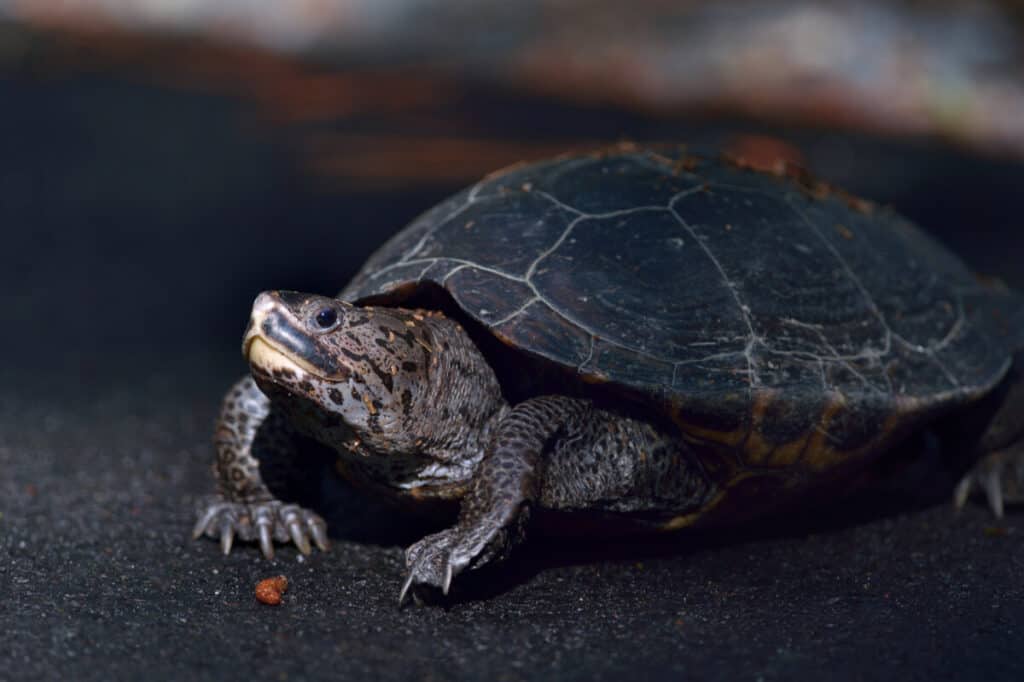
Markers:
point(326, 317)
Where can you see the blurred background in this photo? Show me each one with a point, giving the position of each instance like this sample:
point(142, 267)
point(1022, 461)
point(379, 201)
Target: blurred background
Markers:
point(161, 161)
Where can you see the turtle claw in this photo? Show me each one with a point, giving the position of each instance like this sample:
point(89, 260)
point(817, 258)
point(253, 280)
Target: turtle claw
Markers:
point(992, 486)
point(266, 540)
point(405, 590)
point(264, 522)
point(433, 562)
point(227, 537)
point(962, 492)
point(297, 535)
point(264, 519)
point(204, 521)
point(999, 476)
point(318, 529)
point(448, 574)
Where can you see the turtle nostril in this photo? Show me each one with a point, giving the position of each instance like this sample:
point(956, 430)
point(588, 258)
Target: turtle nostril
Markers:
point(326, 318)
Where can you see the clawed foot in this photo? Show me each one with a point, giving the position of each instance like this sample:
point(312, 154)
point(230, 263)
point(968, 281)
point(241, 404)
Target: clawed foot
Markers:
point(266, 521)
point(436, 559)
point(999, 475)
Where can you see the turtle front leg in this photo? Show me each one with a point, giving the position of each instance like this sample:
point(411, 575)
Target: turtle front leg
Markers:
point(494, 511)
point(244, 506)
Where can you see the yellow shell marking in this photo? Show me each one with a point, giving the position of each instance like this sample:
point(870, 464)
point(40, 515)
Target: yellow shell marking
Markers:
point(813, 451)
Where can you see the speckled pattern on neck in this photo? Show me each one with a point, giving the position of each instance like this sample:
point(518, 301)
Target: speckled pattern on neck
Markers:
point(401, 394)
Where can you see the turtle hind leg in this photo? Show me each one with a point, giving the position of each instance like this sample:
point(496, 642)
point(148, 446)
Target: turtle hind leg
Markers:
point(998, 470)
point(999, 476)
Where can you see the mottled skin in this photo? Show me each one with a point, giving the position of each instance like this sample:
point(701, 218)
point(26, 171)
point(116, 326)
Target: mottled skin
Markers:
point(413, 410)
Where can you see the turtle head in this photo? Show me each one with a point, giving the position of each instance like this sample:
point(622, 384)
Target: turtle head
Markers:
point(348, 372)
point(370, 380)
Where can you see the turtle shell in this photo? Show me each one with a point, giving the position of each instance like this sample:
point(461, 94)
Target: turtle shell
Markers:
point(761, 310)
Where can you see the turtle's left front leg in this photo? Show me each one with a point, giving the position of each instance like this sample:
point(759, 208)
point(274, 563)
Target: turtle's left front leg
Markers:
point(256, 446)
point(496, 506)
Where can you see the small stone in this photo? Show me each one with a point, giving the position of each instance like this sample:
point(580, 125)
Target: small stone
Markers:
point(269, 590)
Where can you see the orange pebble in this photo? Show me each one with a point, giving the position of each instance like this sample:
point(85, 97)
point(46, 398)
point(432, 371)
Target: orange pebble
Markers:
point(269, 590)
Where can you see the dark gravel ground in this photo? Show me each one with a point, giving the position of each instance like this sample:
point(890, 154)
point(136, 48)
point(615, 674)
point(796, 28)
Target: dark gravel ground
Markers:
point(137, 223)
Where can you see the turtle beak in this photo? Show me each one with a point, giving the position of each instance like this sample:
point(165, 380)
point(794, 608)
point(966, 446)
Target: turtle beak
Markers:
point(257, 347)
point(275, 328)
point(262, 307)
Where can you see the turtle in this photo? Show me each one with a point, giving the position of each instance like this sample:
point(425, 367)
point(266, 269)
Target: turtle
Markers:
point(636, 337)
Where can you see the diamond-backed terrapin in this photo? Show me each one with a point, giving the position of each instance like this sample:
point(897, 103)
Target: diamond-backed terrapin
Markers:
point(634, 334)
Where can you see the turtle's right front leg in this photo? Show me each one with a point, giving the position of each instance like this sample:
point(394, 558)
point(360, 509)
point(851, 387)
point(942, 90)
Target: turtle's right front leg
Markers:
point(244, 506)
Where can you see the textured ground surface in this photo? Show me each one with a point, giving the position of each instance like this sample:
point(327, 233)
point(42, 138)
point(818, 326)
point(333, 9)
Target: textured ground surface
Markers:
point(137, 224)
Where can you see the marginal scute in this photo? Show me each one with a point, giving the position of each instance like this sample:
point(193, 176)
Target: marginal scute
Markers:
point(851, 429)
point(783, 418)
point(727, 421)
